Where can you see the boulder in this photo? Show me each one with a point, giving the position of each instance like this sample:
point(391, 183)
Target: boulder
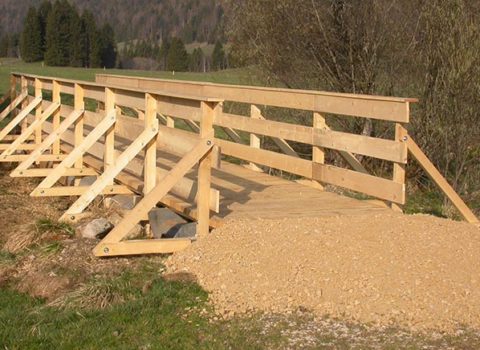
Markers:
point(97, 228)
point(164, 222)
point(87, 181)
point(122, 201)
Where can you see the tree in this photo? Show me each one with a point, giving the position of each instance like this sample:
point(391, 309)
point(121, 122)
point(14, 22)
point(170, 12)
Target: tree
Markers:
point(31, 38)
point(89, 37)
point(197, 61)
point(177, 58)
point(162, 55)
point(109, 53)
point(58, 34)
point(43, 12)
point(218, 57)
point(77, 48)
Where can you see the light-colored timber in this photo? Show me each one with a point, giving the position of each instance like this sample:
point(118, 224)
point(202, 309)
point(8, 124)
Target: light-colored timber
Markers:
point(183, 170)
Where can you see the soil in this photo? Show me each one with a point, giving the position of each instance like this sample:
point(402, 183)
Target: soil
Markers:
point(418, 271)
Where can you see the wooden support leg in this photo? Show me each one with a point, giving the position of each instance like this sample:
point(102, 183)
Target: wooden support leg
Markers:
point(20, 117)
point(255, 113)
point(401, 135)
point(14, 104)
point(106, 246)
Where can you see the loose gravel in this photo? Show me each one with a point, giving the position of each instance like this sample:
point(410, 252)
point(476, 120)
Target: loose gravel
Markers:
point(419, 272)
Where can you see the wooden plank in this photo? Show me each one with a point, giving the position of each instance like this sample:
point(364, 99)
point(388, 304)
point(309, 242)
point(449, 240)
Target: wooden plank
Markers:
point(399, 173)
point(49, 140)
point(46, 171)
point(318, 154)
point(56, 117)
point(271, 159)
point(32, 128)
point(109, 152)
point(19, 118)
point(38, 112)
point(437, 177)
point(24, 88)
point(147, 246)
point(367, 184)
point(14, 104)
point(87, 142)
point(153, 197)
point(255, 114)
point(107, 177)
point(376, 107)
point(65, 191)
point(150, 159)
point(24, 147)
point(209, 112)
point(79, 105)
point(43, 158)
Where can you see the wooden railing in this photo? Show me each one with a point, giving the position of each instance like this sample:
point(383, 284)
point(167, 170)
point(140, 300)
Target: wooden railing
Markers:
point(319, 136)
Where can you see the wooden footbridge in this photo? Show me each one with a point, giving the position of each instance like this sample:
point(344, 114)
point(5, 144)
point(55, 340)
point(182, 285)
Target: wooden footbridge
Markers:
point(174, 144)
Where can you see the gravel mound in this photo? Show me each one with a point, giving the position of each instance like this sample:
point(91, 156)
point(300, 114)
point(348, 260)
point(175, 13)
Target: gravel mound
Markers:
point(417, 271)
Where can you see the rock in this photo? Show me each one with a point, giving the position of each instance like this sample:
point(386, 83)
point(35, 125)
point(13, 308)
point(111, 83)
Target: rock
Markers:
point(164, 222)
point(136, 232)
point(97, 228)
point(87, 180)
point(186, 231)
point(122, 201)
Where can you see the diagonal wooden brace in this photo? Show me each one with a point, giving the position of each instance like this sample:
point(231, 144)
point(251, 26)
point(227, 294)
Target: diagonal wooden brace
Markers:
point(77, 152)
point(109, 175)
point(153, 197)
point(30, 130)
point(13, 105)
point(20, 117)
point(47, 143)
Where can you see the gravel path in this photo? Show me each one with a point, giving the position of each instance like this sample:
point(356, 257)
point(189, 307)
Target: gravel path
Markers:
point(415, 271)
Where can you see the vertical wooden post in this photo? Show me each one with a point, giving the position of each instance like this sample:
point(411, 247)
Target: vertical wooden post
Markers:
point(79, 104)
point(13, 90)
point(318, 153)
point(38, 111)
point(170, 122)
point(24, 88)
point(56, 116)
point(209, 111)
point(150, 163)
point(255, 113)
point(401, 135)
point(109, 153)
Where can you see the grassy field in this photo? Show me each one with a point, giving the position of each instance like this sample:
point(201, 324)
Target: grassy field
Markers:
point(8, 65)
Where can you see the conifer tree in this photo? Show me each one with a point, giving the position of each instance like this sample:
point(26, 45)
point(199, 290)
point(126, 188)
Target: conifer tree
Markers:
point(197, 60)
point(58, 34)
point(109, 54)
point(43, 12)
point(177, 58)
point(31, 39)
point(77, 47)
point(162, 55)
point(218, 57)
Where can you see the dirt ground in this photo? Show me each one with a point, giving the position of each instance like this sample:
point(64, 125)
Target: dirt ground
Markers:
point(420, 272)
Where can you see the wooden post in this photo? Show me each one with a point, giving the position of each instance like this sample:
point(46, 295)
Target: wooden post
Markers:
point(38, 112)
point(150, 162)
point(401, 135)
point(24, 88)
point(79, 105)
point(255, 113)
point(209, 110)
point(56, 116)
point(13, 90)
point(109, 152)
point(318, 154)
point(170, 122)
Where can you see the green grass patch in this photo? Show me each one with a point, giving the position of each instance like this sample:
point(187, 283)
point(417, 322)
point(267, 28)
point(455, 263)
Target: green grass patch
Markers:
point(46, 225)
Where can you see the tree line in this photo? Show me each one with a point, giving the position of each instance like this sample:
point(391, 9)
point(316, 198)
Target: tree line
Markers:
point(60, 36)
point(172, 55)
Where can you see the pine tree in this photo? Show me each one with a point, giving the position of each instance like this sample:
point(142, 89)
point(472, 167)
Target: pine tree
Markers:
point(77, 47)
point(218, 57)
point(43, 12)
point(4, 46)
point(31, 39)
point(109, 53)
point(162, 55)
point(197, 60)
point(58, 34)
point(177, 58)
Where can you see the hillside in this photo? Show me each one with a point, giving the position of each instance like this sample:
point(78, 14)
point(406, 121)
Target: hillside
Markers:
point(193, 20)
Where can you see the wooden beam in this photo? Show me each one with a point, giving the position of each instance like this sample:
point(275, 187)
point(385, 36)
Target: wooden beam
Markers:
point(150, 159)
point(44, 172)
point(65, 191)
point(38, 112)
point(153, 197)
point(43, 158)
point(109, 152)
point(209, 112)
point(255, 113)
point(56, 97)
point(399, 174)
point(437, 177)
point(318, 153)
point(147, 246)
point(79, 105)
point(24, 147)
point(49, 140)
